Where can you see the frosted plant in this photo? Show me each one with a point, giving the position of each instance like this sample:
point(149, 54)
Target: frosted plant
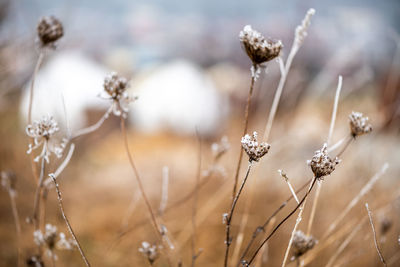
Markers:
point(258, 48)
point(42, 132)
point(321, 164)
point(49, 30)
point(149, 251)
point(253, 148)
point(115, 87)
point(302, 243)
point(301, 30)
point(359, 124)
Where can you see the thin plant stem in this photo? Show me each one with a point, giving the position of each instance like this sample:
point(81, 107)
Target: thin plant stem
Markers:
point(230, 215)
point(298, 220)
point(195, 200)
point(62, 166)
point(246, 123)
point(35, 216)
point(374, 232)
point(31, 93)
point(139, 181)
point(328, 141)
point(283, 221)
point(344, 244)
point(61, 205)
point(14, 209)
point(164, 191)
point(355, 200)
point(261, 228)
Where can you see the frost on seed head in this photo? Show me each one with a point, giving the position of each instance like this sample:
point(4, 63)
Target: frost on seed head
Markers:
point(42, 132)
point(253, 148)
point(302, 243)
point(321, 164)
point(49, 30)
point(150, 252)
point(359, 124)
point(301, 30)
point(258, 48)
point(115, 87)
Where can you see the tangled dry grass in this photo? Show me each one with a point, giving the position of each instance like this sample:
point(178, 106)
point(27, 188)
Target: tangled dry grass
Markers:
point(105, 198)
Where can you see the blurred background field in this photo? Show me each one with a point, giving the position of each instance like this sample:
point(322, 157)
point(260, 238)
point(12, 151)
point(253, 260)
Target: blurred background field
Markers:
point(187, 67)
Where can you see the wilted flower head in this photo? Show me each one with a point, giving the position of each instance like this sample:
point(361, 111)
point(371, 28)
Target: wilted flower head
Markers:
point(149, 251)
point(258, 48)
point(302, 243)
point(254, 150)
point(359, 124)
point(49, 30)
point(115, 86)
point(321, 164)
point(8, 181)
point(41, 131)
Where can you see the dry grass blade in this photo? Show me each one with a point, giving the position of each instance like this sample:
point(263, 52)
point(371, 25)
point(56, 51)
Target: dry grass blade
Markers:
point(374, 232)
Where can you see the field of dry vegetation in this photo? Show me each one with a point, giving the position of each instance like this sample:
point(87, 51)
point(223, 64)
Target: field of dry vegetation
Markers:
point(317, 186)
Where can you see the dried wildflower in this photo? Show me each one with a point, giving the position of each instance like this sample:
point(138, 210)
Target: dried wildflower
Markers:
point(149, 251)
point(359, 124)
point(41, 131)
point(218, 149)
point(321, 164)
point(258, 48)
point(254, 150)
point(51, 240)
point(301, 30)
point(35, 261)
point(49, 30)
point(8, 181)
point(115, 87)
point(302, 243)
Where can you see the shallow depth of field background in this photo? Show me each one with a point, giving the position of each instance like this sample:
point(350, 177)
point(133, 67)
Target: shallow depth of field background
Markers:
point(186, 66)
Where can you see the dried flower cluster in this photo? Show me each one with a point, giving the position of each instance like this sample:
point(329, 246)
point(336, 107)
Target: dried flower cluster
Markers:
point(49, 30)
point(253, 148)
point(41, 131)
point(321, 164)
point(51, 240)
point(8, 181)
point(149, 251)
point(302, 243)
point(258, 48)
point(359, 124)
point(115, 86)
point(301, 30)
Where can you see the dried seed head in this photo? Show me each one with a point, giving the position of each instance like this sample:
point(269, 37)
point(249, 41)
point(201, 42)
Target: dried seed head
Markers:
point(302, 243)
point(301, 30)
point(359, 124)
point(321, 164)
point(149, 251)
point(115, 86)
point(49, 30)
point(254, 150)
point(8, 181)
point(258, 48)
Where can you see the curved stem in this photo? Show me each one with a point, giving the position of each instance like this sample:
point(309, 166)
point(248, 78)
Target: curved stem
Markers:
point(283, 221)
point(60, 203)
point(230, 215)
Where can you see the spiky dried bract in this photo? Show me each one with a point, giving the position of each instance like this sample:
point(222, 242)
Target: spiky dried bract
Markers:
point(258, 48)
point(41, 131)
point(253, 148)
point(301, 30)
point(359, 124)
point(321, 164)
point(115, 86)
point(149, 251)
point(302, 243)
point(49, 30)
